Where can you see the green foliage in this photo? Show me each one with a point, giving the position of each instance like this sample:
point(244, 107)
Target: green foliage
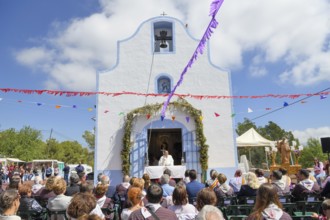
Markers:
point(152, 109)
point(27, 144)
point(311, 150)
point(245, 126)
point(90, 139)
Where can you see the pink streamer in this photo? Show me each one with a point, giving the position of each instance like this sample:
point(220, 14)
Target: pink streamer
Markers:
point(215, 6)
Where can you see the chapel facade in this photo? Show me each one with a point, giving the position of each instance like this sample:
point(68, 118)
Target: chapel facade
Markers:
point(130, 132)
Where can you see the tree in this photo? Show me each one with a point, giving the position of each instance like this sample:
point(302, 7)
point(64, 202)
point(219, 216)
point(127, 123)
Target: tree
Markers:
point(25, 144)
point(245, 126)
point(71, 152)
point(90, 139)
point(311, 150)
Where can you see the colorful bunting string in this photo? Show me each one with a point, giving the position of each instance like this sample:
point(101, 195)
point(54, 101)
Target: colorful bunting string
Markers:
point(199, 97)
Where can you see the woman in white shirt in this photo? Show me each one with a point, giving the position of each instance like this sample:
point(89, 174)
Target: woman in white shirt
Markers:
point(181, 207)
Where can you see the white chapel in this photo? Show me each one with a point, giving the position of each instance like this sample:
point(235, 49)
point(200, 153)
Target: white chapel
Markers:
point(130, 132)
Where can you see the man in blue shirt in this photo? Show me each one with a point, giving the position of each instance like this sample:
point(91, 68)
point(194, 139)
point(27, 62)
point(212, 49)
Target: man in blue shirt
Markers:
point(167, 189)
point(80, 168)
point(194, 186)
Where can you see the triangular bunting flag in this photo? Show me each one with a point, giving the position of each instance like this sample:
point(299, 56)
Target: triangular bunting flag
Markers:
point(323, 97)
point(285, 104)
point(173, 117)
point(233, 115)
point(187, 119)
point(148, 116)
point(268, 109)
point(90, 109)
point(216, 114)
point(74, 106)
point(94, 106)
point(106, 111)
point(19, 100)
point(57, 106)
point(250, 110)
point(38, 104)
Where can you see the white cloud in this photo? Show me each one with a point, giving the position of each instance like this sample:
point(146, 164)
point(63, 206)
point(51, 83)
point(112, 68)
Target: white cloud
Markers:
point(317, 133)
point(291, 32)
point(34, 57)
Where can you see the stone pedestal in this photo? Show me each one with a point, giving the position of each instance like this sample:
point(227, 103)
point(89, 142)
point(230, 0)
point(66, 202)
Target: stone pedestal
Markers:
point(292, 169)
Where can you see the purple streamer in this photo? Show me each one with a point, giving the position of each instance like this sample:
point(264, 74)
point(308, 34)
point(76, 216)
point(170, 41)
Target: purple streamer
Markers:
point(214, 8)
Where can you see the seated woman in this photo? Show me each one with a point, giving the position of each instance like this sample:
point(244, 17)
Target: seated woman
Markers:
point(103, 201)
point(223, 190)
point(9, 203)
point(83, 204)
point(325, 211)
point(134, 197)
point(46, 192)
point(285, 178)
point(213, 182)
point(28, 203)
point(280, 186)
point(267, 205)
point(181, 207)
point(250, 188)
point(260, 175)
point(60, 201)
point(206, 196)
point(237, 181)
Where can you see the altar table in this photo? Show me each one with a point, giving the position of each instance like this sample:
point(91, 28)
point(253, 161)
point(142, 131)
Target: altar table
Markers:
point(155, 172)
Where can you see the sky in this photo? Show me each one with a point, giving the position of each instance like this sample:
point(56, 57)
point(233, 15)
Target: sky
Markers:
point(270, 47)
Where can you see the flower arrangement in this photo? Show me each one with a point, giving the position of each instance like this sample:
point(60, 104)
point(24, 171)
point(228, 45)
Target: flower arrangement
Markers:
point(296, 152)
point(271, 153)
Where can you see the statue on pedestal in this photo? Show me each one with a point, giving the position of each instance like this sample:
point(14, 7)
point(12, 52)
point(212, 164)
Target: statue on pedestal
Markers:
point(284, 149)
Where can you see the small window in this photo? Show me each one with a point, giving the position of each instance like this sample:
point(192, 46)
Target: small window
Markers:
point(164, 85)
point(163, 37)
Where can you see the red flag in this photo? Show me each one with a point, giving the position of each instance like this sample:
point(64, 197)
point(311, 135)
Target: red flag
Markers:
point(216, 114)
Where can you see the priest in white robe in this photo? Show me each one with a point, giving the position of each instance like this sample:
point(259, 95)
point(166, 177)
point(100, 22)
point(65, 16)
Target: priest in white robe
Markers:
point(166, 159)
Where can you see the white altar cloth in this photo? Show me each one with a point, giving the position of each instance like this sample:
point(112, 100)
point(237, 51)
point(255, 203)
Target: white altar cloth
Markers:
point(155, 172)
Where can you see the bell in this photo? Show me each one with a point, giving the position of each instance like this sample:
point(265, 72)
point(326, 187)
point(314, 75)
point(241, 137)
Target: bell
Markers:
point(163, 44)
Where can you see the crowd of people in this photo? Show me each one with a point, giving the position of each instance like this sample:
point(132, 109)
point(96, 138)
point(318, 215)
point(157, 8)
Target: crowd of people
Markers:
point(26, 172)
point(166, 198)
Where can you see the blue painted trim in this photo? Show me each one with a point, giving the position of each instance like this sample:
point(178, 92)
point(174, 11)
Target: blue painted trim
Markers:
point(233, 120)
point(158, 124)
point(159, 76)
point(158, 18)
point(95, 126)
point(152, 38)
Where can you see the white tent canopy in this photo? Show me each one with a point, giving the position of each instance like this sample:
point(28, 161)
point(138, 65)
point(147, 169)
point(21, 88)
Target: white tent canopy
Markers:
point(251, 138)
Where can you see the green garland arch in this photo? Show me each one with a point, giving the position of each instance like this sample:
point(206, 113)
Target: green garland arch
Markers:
point(181, 104)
